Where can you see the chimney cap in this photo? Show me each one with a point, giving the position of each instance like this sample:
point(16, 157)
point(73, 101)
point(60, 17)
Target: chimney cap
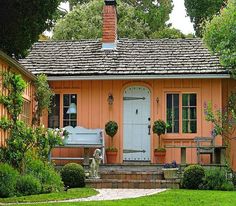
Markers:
point(110, 2)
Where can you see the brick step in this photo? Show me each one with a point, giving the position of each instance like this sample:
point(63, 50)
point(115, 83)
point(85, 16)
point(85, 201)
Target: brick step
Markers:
point(131, 175)
point(138, 184)
point(144, 167)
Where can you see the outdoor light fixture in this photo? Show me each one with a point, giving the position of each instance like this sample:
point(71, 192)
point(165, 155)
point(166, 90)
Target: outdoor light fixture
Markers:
point(72, 109)
point(157, 100)
point(110, 99)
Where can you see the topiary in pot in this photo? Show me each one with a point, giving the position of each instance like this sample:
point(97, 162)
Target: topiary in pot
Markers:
point(73, 175)
point(159, 128)
point(111, 129)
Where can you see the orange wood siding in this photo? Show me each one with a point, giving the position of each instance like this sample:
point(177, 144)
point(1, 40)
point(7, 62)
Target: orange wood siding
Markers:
point(94, 110)
point(28, 95)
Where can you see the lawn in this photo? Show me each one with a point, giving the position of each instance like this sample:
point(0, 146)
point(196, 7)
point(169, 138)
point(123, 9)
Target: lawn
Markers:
point(70, 194)
point(170, 198)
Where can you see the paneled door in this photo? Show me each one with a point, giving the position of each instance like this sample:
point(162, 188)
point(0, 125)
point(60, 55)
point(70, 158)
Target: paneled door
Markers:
point(136, 124)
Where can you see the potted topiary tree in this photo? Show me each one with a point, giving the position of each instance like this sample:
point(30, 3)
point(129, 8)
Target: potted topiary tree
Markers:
point(159, 128)
point(111, 129)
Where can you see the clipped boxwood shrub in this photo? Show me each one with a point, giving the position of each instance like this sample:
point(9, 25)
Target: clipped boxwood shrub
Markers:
point(73, 175)
point(8, 178)
point(193, 177)
point(28, 185)
point(49, 178)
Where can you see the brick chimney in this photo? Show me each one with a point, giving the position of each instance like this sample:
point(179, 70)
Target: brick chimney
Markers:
point(109, 35)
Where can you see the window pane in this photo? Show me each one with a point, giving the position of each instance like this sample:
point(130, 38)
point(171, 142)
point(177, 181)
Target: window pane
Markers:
point(185, 100)
point(193, 126)
point(54, 116)
point(69, 109)
point(193, 101)
point(193, 114)
point(169, 101)
point(176, 100)
point(185, 113)
point(185, 126)
point(172, 113)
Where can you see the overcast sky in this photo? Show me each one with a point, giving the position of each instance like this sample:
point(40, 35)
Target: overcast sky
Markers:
point(177, 18)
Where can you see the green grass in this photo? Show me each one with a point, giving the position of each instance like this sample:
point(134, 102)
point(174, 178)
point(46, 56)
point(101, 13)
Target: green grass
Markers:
point(70, 194)
point(170, 198)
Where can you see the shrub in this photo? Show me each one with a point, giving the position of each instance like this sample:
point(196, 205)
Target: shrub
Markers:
point(227, 186)
point(73, 175)
point(193, 176)
point(8, 178)
point(234, 179)
point(28, 185)
point(214, 179)
point(49, 178)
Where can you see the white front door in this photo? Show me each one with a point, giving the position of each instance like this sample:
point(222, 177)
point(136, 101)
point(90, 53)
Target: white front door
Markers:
point(136, 124)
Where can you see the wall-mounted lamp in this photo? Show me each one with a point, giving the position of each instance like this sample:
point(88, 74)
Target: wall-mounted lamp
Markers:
point(157, 100)
point(110, 99)
point(72, 109)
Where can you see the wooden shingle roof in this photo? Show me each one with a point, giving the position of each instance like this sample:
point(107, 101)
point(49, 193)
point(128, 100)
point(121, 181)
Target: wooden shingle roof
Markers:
point(131, 57)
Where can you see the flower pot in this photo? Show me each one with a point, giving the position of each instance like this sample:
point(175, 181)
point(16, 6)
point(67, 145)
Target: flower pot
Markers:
point(111, 157)
point(159, 157)
point(170, 173)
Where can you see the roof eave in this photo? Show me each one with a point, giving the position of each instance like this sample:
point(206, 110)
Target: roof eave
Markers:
point(135, 77)
point(12, 62)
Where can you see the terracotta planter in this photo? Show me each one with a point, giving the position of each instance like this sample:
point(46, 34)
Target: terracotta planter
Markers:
point(170, 173)
point(111, 157)
point(159, 157)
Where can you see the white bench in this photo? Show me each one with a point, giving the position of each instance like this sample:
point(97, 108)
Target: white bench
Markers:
point(80, 137)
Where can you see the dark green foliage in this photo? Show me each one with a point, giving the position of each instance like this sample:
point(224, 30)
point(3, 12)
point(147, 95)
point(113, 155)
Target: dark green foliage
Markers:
point(170, 33)
point(216, 179)
point(220, 36)
point(21, 22)
point(73, 175)
point(201, 10)
point(159, 127)
point(48, 177)
point(43, 96)
point(111, 128)
point(85, 21)
point(28, 185)
point(8, 178)
point(234, 179)
point(193, 177)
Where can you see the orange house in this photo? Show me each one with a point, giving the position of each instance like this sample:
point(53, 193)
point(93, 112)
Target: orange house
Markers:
point(134, 82)
point(9, 64)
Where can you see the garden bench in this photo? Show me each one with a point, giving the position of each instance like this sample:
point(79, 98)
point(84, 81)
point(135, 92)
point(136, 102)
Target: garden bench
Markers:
point(80, 137)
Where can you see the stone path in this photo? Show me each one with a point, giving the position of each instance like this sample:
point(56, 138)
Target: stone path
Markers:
point(109, 194)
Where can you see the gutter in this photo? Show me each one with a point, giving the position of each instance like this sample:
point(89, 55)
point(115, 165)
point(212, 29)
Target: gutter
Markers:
point(136, 77)
point(17, 65)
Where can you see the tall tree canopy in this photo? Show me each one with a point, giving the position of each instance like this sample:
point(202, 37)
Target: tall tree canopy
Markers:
point(22, 21)
point(201, 10)
point(220, 35)
point(85, 20)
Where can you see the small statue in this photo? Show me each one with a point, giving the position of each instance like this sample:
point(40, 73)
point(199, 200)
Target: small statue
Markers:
point(94, 166)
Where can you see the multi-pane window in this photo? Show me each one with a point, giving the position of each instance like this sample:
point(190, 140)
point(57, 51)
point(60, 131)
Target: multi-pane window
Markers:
point(25, 115)
point(54, 115)
point(189, 113)
point(69, 110)
point(172, 113)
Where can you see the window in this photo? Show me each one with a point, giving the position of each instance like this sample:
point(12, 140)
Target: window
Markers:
point(189, 113)
point(25, 115)
point(54, 115)
point(172, 105)
point(69, 110)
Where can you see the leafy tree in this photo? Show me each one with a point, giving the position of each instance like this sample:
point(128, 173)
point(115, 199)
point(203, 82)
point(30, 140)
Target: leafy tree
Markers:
point(85, 21)
point(22, 21)
point(220, 35)
point(201, 10)
point(170, 33)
